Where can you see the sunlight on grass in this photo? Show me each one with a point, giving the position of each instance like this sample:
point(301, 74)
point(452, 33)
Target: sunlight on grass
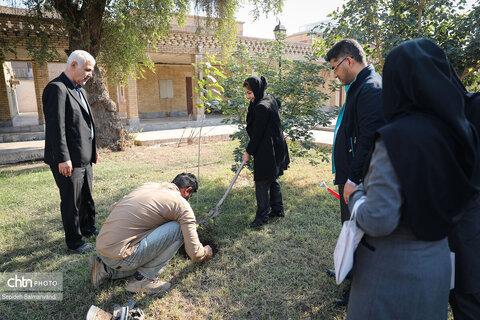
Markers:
point(275, 272)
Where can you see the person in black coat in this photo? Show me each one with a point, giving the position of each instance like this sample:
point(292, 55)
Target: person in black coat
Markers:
point(70, 148)
point(359, 118)
point(268, 147)
point(464, 239)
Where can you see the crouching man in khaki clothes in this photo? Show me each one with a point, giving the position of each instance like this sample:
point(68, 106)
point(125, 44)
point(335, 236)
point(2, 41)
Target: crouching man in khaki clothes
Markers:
point(144, 231)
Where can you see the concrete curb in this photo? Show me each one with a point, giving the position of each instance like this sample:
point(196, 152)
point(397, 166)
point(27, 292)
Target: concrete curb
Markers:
point(14, 152)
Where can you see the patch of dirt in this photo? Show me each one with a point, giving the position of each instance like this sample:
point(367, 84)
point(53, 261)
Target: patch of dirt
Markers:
point(206, 242)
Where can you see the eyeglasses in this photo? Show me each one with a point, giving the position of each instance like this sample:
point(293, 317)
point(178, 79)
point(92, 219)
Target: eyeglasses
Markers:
point(334, 69)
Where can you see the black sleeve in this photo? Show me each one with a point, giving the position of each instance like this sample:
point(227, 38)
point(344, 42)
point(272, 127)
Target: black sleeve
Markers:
point(369, 119)
point(261, 115)
point(53, 99)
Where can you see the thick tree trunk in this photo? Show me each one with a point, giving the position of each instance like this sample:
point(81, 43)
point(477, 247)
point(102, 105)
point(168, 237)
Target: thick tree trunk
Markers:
point(109, 128)
point(84, 28)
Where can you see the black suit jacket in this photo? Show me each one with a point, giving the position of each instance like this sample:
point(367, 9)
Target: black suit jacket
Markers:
point(267, 143)
point(362, 117)
point(67, 125)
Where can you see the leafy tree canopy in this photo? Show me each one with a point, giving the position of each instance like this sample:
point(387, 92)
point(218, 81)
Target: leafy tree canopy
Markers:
point(299, 85)
point(381, 25)
point(118, 32)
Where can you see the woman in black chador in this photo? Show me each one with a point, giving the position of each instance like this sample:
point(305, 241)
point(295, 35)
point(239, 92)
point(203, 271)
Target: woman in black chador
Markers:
point(268, 147)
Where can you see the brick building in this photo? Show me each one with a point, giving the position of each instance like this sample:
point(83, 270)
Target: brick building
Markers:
point(165, 93)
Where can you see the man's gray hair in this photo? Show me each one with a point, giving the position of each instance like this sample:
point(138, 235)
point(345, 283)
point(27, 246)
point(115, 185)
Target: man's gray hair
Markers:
point(80, 56)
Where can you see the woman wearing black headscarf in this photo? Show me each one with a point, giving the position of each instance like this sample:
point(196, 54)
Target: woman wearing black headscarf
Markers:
point(268, 147)
point(420, 177)
point(464, 238)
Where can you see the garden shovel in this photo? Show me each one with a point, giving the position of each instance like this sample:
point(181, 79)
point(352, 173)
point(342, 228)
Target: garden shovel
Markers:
point(215, 212)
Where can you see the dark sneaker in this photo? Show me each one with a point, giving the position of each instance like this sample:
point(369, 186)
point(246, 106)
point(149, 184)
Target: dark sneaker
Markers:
point(343, 300)
point(257, 223)
point(331, 273)
point(276, 214)
point(83, 249)
point(94, 233)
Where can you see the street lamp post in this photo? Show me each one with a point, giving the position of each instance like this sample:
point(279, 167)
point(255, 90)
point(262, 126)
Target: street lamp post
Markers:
point(280, 31)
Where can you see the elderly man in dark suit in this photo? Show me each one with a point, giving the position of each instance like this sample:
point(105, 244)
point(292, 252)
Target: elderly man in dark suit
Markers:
point(70, 148)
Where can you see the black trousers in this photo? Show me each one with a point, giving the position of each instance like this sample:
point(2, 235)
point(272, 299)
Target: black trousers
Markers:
point(344, 211)
point(269, 197)
point(76, 204)
point(344, 216)
point(465, 306)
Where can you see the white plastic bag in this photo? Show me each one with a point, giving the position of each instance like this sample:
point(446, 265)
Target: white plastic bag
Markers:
point(347, 242)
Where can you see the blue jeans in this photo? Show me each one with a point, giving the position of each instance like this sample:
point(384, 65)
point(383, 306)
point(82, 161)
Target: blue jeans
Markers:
point(151, 256)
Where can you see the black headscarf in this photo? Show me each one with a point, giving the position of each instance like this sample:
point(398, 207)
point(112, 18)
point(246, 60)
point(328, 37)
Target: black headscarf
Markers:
point(472, 112)
point(258, 86)
point(432, 146)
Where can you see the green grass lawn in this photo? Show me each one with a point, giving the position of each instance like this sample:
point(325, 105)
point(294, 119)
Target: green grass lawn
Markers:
point(276, 272)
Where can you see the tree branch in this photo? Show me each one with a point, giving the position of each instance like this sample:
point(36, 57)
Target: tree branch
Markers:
point(466, 74)
point(421, 6)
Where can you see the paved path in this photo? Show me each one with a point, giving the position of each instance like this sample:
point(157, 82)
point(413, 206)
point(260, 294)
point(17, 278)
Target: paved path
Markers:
point(12, 152)
point(210, 133)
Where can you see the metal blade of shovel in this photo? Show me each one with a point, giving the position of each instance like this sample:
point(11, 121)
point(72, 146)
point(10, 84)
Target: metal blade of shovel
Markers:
point(215, 212)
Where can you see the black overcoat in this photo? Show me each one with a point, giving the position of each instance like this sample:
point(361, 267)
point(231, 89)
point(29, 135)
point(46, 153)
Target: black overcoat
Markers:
point(362, 117)
point(267, 142)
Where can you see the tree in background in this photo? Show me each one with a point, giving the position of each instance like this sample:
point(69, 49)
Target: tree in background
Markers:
point(383, 24)
point(299, 85)
point(117, 33)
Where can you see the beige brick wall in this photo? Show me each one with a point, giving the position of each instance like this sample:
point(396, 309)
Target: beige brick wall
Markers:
point(41, 79)
point(131, 97)
point(148, 89)
point(14, 27)
point(4, 108)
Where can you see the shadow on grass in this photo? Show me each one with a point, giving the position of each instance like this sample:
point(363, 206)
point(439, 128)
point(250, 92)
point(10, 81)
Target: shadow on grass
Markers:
point(276, 271)
point(22, 169)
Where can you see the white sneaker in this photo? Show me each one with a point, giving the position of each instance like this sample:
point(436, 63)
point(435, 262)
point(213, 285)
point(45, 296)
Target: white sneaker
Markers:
point(146, 285)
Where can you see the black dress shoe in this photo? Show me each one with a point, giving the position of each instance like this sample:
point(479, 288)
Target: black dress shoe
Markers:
point(343, 300)
point(94, 233)
point(83, 249)
point(276, 214)
point(257, 223)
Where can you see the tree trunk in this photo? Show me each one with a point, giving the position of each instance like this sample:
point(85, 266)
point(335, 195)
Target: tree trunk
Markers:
point(420, 8)
point(84, 28)
point(109, 128)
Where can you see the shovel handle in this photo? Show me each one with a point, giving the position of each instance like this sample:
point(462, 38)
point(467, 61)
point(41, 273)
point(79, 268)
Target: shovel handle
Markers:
point(219, 204)
point(213, 213)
